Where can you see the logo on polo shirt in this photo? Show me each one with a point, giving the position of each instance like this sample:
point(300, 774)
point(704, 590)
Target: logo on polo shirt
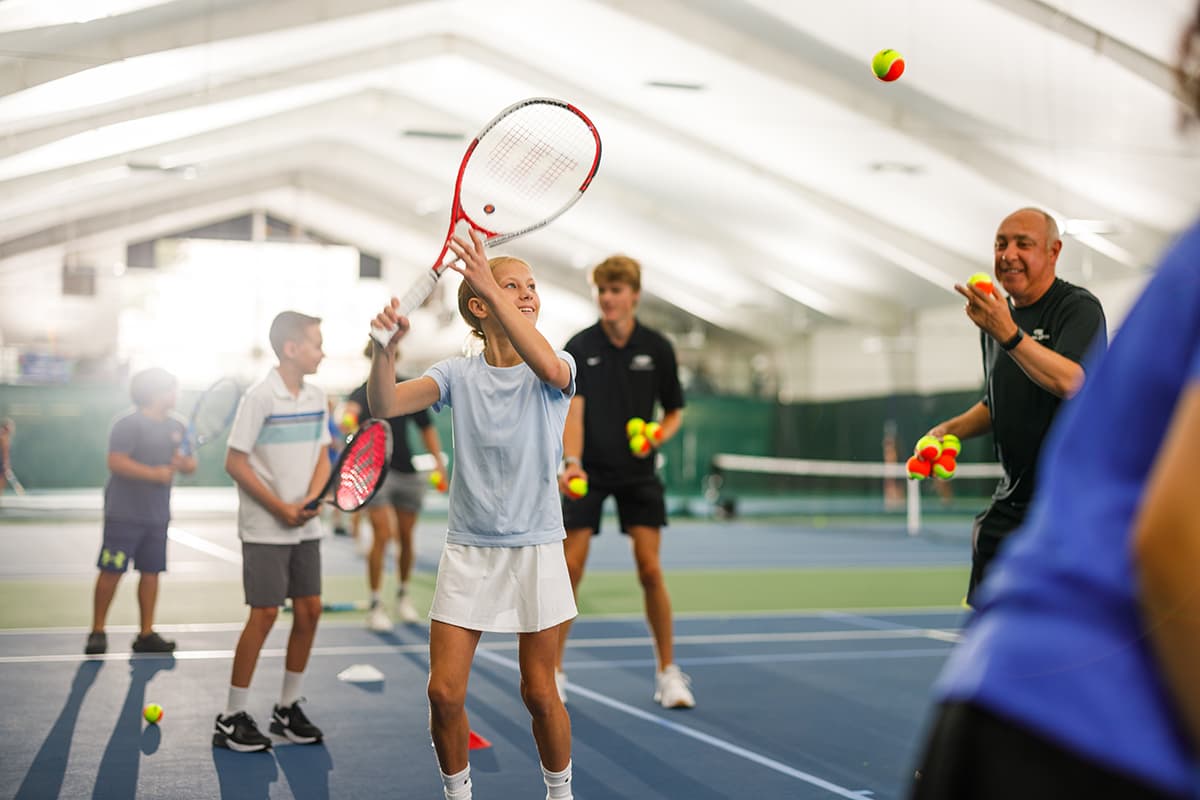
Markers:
point(642, 362)
point(593, 361)
point(1039, 335)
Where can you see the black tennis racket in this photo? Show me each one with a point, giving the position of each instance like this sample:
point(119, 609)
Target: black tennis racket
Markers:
point(212, 415)
point(360, 468)
point(527, 166)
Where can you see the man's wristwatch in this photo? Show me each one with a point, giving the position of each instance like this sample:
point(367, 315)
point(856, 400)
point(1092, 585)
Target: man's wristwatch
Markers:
point(1013, 342)
point(572, 460)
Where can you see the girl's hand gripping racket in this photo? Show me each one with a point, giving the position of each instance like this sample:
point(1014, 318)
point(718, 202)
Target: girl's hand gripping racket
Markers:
point(360, 468)
point(524, 169)
point(212, 415)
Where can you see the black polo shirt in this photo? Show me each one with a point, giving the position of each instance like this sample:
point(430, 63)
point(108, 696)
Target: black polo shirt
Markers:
point(616, 384)
point(401, 453)
point(1067, 319)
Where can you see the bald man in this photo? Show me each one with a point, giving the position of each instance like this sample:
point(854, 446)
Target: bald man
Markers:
point(1033, 343)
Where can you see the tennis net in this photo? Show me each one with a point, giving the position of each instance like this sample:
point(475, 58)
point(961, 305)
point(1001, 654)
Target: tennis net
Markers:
point(740, 485)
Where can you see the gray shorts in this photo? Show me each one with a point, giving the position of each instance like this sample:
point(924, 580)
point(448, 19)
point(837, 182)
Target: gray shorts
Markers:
point(403, 490)
point(273, 572)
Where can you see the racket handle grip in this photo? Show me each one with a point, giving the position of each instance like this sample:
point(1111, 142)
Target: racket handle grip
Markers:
point(311, 505)
point(412, 300)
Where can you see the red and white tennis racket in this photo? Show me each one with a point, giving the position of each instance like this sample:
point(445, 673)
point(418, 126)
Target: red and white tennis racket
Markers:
point(527, 166)
point(360, 469)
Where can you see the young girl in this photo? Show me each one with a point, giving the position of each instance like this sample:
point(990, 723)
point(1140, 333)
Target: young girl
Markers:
point(502, 568)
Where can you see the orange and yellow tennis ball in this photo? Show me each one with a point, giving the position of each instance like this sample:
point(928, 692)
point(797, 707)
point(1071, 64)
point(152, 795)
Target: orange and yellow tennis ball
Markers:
point(438, 480)
point(639, 445)
point(983, 281)
point(887, 65)
point(928, 448)
point(951, 444)
point(577, 488)
point(918, 468)
point(945, 465)
point(153, 712)
point(634, 426)
point(653, 432)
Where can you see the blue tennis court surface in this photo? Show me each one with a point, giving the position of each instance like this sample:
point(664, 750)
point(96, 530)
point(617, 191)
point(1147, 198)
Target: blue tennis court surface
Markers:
point(797, 706)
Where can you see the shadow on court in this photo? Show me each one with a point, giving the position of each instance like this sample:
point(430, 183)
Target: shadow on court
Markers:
point(45, 775)
point(118, 772)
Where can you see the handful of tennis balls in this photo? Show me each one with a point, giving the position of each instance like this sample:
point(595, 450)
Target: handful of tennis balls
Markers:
point(643, 435)
point(438, 481)
point(934, 457)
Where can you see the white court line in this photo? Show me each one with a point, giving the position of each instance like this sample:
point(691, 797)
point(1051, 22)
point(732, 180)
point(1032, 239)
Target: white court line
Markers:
point(204, 545)
point(511, 644)
point(720, 744)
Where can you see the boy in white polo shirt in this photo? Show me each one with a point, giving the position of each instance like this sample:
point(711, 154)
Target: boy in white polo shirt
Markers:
point(276, 457)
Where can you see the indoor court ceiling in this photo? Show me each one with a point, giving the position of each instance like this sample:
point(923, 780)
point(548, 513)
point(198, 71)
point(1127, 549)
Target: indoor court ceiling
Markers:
point(766, 180)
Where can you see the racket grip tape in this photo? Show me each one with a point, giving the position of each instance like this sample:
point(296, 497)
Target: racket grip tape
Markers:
point(411, 301)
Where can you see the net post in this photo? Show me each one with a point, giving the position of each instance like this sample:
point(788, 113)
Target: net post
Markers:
point(914, 508)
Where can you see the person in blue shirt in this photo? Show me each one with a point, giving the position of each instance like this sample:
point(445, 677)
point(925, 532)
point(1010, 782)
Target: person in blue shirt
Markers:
point(503, 568)
point(1079, 674)
point(143, 456)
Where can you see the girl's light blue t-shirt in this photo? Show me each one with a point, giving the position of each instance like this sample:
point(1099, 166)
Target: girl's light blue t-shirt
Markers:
point(508, 427)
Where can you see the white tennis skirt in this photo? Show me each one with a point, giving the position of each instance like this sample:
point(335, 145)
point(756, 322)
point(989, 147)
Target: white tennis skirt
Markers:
point(503, 589)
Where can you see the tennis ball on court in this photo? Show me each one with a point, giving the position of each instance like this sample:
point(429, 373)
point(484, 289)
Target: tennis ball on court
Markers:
point(153, 712)
point(653, 432)
point(918, 468)
point(639, 445)
point(983, 281)
point(887, 65)
point(634, 427)
point(928, 448)
point(438, 481)
point(945, 465)
point(576, 488)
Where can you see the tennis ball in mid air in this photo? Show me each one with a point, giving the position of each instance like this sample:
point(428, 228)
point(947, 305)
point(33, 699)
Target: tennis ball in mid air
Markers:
point(887, 65)
point(983, 281)
point(153, 713)
point(639, 445)
point(438, 480)
point(576, 488)
point(635, 426)
point(928, 448)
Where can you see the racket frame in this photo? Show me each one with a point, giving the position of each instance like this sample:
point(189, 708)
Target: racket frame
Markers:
point(335, 475)
point(191, 442)
point(423, 287)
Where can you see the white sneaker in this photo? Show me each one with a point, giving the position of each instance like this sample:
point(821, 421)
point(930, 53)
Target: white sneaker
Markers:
point(405, 610)
point(671, 688)
point(560, 683)
point(377, 620)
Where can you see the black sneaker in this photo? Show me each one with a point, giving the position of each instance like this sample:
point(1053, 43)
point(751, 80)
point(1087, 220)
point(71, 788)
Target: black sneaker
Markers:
point(238, 732)
point(153, 643)
point(97, 644)
point(291, 722)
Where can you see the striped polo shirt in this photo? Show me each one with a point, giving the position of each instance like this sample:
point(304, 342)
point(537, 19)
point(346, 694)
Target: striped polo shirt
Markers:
point(285, 435)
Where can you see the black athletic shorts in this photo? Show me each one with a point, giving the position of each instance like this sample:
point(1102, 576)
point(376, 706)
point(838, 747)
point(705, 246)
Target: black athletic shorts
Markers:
point(638, 503)
point(972, 754)
point(990, 530)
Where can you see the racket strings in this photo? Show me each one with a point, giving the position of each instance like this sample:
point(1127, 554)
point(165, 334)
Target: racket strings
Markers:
point(362, 468)
point(532, 163)
point(214, 411)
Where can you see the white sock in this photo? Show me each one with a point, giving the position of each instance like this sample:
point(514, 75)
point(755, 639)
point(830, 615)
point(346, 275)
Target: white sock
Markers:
point(291, 687)
point(402, 590)
point(374, 599)
point(558, 784)
point(458, 785)
point(237, 701)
